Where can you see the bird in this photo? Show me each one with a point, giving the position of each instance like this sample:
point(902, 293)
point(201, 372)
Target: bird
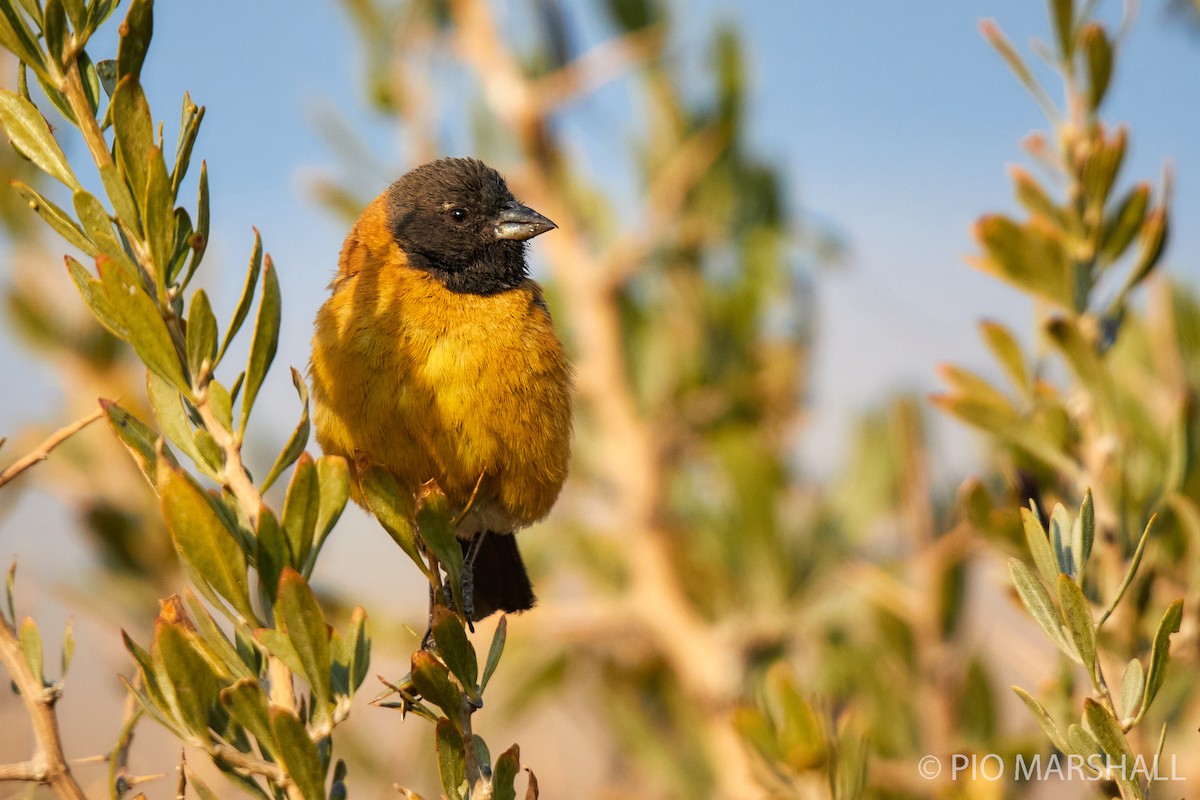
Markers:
point(435, 356)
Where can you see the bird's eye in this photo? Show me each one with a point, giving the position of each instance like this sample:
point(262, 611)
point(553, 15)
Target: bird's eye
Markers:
point(458, 214)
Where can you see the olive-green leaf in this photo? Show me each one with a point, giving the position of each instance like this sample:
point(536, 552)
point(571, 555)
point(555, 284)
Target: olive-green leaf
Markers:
point(196, 686)
point(247, 298)
point(1044, 719)
point(1007, 350)
point(203, 541)
point(280, 646)
point(504, 776)
point(1133, 683)
point(216, 645)
point(16, 37)
point(189, 127)
point(392, 506)
point(1123, 223)
point(1033, 257)
point(1060, 540)
point(297, 441)
point(1039, 547)
point(248, 704)
point(333, 473)
point(436, 526)
point(138, 438)
point(455, 649)
point(1160, 652)
point(452, 766)
point(495, 651)
point(135, 38)
point(140, 316)
point(31, 646)
point(358, 638)
point(1062, 15)
point(271, 550)
point(172, 419)
point(119, 196)
point(135, 133)
point(56, 218)
point(199, 240)
point(298, 754)
point(1099, 53)
point(265, 341)
point(54, 30)
point(201, 335)
point(1037, 601)
point(1077, 615)
point(159, 224)
point(432, 679)
point(301, 619)
point(31, 135)
point(300, 508)
point(92, 292)
point(1087, 528)
point(1107, 730)
point(1084, 744)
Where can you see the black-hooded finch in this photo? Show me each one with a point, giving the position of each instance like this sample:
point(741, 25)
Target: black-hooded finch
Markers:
point(435, 356)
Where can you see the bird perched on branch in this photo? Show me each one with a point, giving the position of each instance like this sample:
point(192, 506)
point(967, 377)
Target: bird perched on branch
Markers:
point(436, 357)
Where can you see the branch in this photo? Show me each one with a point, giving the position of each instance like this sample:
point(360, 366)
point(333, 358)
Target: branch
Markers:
point(49, 763)
point(43, 450)
point(233, 474)
point(596, 67)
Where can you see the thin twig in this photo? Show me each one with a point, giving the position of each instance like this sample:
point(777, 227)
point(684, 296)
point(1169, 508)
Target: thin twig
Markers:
point(597, 66)
point(49, 763)
point(43, 450)
point(234, 474)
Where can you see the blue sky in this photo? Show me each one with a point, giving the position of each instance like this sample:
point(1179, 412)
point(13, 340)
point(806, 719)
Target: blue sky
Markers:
point(893, 123)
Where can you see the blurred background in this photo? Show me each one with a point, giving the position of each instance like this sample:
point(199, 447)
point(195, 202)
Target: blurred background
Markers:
point(768, 206)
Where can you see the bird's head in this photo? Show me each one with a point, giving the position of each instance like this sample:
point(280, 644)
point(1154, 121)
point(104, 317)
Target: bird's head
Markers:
point(456, 219)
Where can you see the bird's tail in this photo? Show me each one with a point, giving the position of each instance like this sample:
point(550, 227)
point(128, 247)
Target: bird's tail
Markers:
point(500, 580)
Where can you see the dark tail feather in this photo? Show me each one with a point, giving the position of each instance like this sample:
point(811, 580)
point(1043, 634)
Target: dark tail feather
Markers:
point(501, 583)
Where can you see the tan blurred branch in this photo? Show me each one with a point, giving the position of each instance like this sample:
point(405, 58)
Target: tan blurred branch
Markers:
point(49, 763)
point(42, 451)
point(596, 67)
point(703, 661)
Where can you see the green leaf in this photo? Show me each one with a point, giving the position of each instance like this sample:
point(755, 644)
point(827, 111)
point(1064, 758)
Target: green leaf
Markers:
point(504, 777)
point(54, 30)
point(1123, 223)
point(248, 704)
point(106, 71)
point(393, 507)
point(135, 38)
point(1044, 719)
point(265, 341)
point(243, 306)
point(271, 550)
point(1033, 257)
point(1152, 242)
point(221, 403)
point(135, 133)
point(205, 544)
point(436, 526)
point(298, 754)
point(172, 419)
point(1077, 615)
point(1133, 683)
point(1007, 351)
point(77, 12)
point(1101, 167)
point(1083, 743)
point(1081, 356)
point(199, 240)
point(68, 650)
point(1035, 200)
point(31, 647)
point(97, 225)
point(333, 474)
point(139, 439)
point(359, 640)
point(1062, 15)
point(300, 508)
point(140, 316)
point(16, 37)
point(1099, 53)
point(456, 650)
point(32, 137)
point(56, 218)
point(1160, 652)
point(92, 292)
point(997, 39)
point(1039, 547)
point(201, 335)
point(215, 644)
point(119, 196)
point(1087, 529)
point(1037, 601)
point(432, 680)
point(281, 647)
point(452, 766)
point(495, 651)
point(159, 225)
point(1060, 540)
point(1108, 733)
point(1134, 563)
point(301, 619)
point(189, 127)
point(297, 441)
point(195, 685)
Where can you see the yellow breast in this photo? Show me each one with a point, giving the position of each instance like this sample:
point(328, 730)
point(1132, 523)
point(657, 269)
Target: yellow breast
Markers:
point(436, 384)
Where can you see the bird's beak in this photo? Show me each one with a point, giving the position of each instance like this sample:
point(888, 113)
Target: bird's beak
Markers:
point(518, 223)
